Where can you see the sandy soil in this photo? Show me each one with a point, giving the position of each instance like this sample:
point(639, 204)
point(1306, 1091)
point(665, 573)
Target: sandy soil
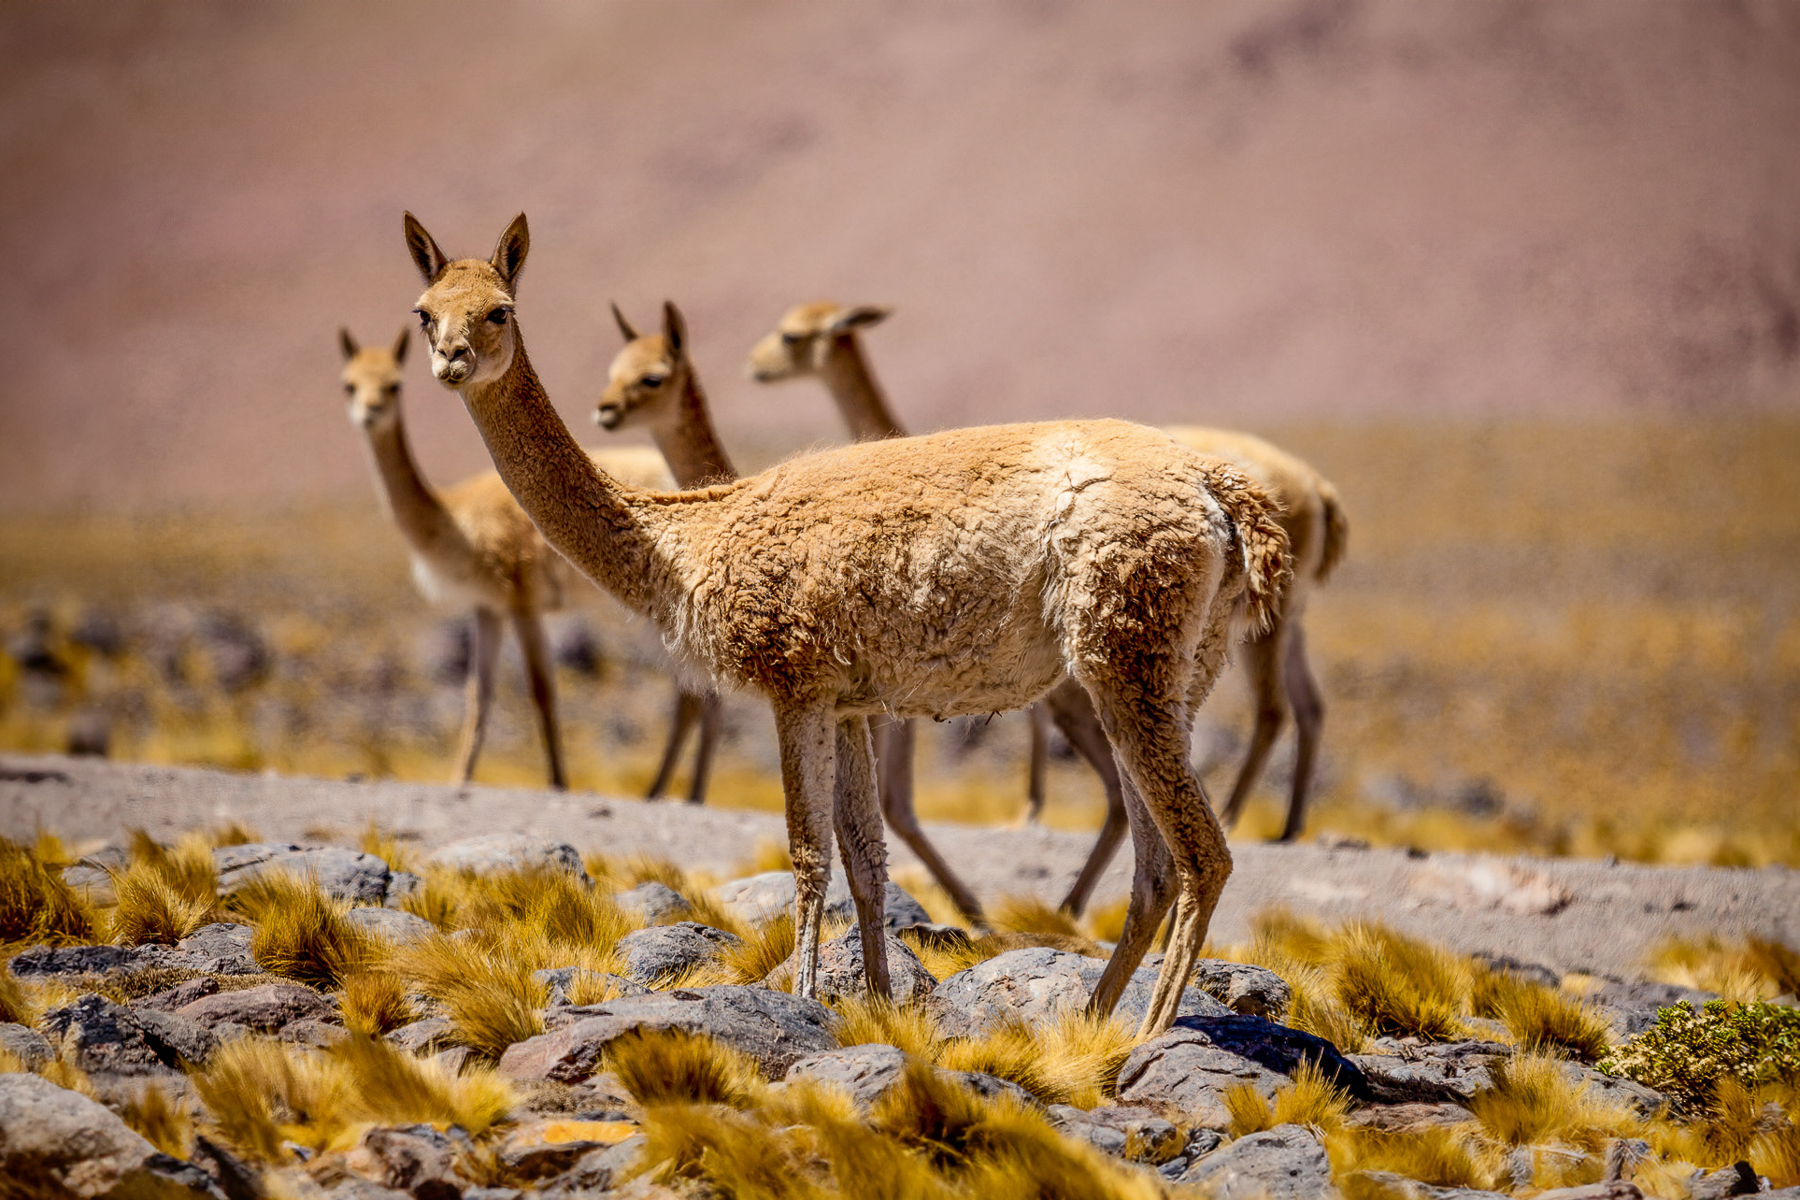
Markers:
point(1571, 915)
point(1238, 211)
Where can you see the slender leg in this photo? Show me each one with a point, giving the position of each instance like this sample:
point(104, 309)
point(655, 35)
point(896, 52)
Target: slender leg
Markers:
point(542, 678)
point(687, 711)
point(1309, 720)
point(858, 819)
point(1039, 716)
point(1073, 711)
point(483, 653)
point(712, 712)
point(808, 777)
point(895, 764)
point(1150, 734)
point(1152, 888)
point(1262, 658)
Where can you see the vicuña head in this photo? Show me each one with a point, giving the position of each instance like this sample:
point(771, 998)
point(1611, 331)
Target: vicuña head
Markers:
point(466, 312)
point(802, 342)
point(647, 376)
point(372, 379)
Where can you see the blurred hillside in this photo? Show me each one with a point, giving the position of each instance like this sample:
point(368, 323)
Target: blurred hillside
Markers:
point(1255, 212)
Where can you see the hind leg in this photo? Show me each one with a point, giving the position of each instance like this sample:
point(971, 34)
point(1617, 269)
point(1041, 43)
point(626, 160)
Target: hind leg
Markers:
point(687, 711)
point(1073, 712)
point(484, 651)
point(1038, 766)
point(1309, 721)
point(712, 714)
point(1263, 659)
point(857, 815)
point(1152, 888)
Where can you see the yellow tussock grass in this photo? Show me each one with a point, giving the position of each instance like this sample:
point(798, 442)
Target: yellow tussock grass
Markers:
point(760, 950)
point(232, 833)
point(769, 855)
point(1753, 968)
point(301, 932)
point(676, 1067)
point(393, 1087)
point(383, 844)
point(15, 1004)
point(946, 954)
point(1397, 985)
point(1534, 1100)
point(491, 998)
point(160, 1120)
point(1006, 1050)
point(871, 1021)
point(1307, 1099)
point(1540, 1019)
point(35, 904)
point(1441, 1157)
point(188, 868)
point(1106, 922)
point(375, 1002)
point(1028, 914)
point(149, 908)
point(1775, 1152)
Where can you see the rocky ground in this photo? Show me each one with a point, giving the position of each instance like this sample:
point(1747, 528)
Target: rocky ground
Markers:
point(1572, 915)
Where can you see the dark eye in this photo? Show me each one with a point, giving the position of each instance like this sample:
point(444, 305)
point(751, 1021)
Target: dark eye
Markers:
point(350, 390)
point(390, 389)
point(791, 339)
point(424, 318)
point(497, 317)
point(652, 381)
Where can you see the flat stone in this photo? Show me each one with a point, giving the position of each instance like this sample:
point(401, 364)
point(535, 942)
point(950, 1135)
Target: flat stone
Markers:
point(1614, 1189)
point(1283, 1163)
point(560, 981)
point(342, 873)
point(661, 952)
point(27, 1045)
point(73, 1146)
point(1036, 983)
point(37, 962)
point(1387, 1183)
point(1643, 1101)
point(187, 1038)
point(1530, 972)
point(1407, 1118)
point(772, 1027)
point(542, 1148)
point(869, 1072)
point(424, 1035)
point(222, 948)
point(107, 1038)
point(266, 1008)
point(418, 1159)
point(179, 996)
point(1130, 1132)
point(1431, 1073)
point(509, 852)
point(759, 898)
point(401, 928)
point(598, 1170)
point(1189, 1068)
point(841, 974)
point(657, 902)
point(1244, 988)
point(401, 884)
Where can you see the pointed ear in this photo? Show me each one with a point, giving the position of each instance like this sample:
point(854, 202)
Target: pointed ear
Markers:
point(674, 329)
point(860, 317)
point(424, 251)
point(509, 254)
point(347, 342)
point(630, 334)
point(400, 344)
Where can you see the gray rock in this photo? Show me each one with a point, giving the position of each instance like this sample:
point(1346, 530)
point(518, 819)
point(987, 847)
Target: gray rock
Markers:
point(1431, 1073)
point(1189, 1068)
point(265, 1009)
point(40, 961)
point(1739, 1179)
point(1645, 1102)
point(598, 1170)
point(392, 924)
point(1035, 983)
point(1135, 1134)
point(559, 981)
point(1387, 1183)
point(107, 1037)
point(27, 1045)
point(1530, 972)
point(217, 949)
point(1615, 1189)
point(95, 871)
point(509, 852)
point(342, 873)
point(311, 1031)
point(656, 901)
point(401, 884)
point(492, 1193)
point(1631, 1008)
point(192, 1042)
point(772, 1027)
point(418, 1159)
point(1283, 1163)
point(1406, 1118)
point(421, 1036)
point(663, 951)
point(1244, 988)
point(841, 973)
point(60, 1143)
point(759, 898)
point(869, 1072)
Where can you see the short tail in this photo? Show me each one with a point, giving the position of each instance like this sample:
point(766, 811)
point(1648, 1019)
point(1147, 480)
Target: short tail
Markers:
point(1268, 564)
point(1337, 531)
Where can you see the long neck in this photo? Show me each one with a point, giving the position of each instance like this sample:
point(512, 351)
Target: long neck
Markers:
point(689, 442)
point(416, 509)
point(859, 398)
point(583, 513)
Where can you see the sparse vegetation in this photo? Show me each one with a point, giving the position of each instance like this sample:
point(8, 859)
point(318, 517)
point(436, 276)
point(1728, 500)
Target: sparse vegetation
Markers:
point(675, 1067)
point(35, 904)
point(301, 932)
point(1687, 1053)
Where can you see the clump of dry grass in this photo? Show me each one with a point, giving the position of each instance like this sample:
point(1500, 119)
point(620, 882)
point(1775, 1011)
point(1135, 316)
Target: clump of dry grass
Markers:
point(1534, 1100)
point(375, 1002)
point(490, 996)
point(160, 1120)
point(1539, 1019)
point(676, 1067)
point(1397, 985)
point(872, 1021)
point(149, 908)
point(1752, 968)
point(35, 904)
point(232, 833)
point(1006, 1050)
point(945, 954)
point(1106, 922)
point(1070, 1059)
point(1441, 1157)
point(759, 950)
point(1028, 914)
point(1309, 1098)
point(15, 1005)
point(301, 932)
point(393, 1087)
point(383, 844)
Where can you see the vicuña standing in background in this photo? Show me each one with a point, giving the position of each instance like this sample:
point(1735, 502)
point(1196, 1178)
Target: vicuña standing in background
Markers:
point(472, 544)
point(966, 572)
point(820, 339)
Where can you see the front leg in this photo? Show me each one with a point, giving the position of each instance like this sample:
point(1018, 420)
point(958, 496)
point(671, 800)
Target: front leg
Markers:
point(860, 839)
point(806, 732)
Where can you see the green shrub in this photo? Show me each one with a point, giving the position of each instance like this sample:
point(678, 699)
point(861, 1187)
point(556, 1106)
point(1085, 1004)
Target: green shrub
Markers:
point(1686, 1052)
